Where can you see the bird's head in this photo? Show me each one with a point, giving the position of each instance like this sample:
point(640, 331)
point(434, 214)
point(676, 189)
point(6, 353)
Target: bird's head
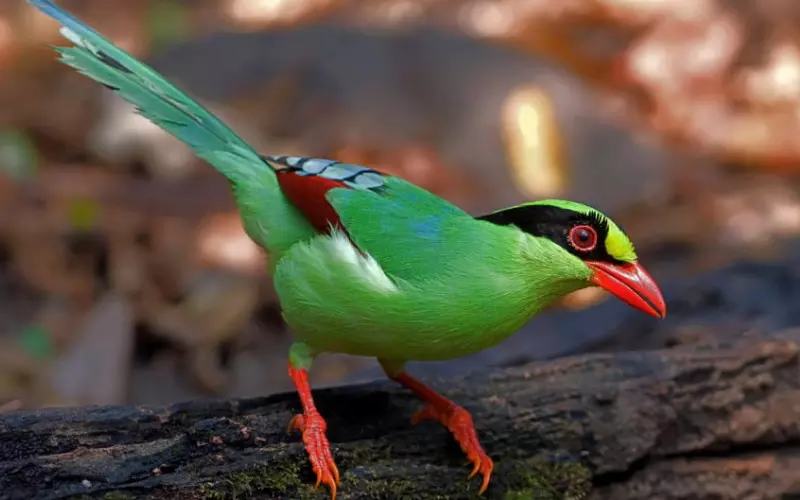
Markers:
point(590, 246)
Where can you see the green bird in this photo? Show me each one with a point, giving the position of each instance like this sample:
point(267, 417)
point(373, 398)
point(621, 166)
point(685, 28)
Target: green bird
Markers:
point(368, 264)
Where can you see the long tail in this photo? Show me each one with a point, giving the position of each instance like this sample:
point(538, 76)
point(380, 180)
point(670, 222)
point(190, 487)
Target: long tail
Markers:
point(268, 218)
point(154, 97)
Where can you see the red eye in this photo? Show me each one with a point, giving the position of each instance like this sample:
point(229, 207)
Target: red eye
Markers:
point(583, 238)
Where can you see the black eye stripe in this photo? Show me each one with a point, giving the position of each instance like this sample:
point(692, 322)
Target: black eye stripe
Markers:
point(555, 224)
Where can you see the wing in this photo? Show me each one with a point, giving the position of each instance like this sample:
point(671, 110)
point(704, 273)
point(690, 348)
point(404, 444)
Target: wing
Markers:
point(412, 233)
point(409, 231)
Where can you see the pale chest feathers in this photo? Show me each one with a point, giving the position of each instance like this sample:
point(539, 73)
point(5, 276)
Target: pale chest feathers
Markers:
point(362, 266)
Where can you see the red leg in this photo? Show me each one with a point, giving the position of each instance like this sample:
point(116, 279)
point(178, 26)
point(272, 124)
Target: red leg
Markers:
point(455, 418)
point(313, 427)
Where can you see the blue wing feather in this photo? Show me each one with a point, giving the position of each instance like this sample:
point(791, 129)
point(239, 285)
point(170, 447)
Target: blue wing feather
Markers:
point(355, 176)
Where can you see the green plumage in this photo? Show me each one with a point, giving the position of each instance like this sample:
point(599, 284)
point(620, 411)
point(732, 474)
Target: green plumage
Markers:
point(432, 282)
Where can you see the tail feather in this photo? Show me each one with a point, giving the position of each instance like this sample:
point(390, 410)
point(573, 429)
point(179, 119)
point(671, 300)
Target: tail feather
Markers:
point(268, 217)
point(154, 97)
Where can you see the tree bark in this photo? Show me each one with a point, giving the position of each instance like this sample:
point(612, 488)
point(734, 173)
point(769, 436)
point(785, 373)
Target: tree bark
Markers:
point(694, 421)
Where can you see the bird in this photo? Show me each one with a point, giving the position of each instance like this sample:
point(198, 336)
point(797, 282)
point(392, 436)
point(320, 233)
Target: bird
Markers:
point(369, 264)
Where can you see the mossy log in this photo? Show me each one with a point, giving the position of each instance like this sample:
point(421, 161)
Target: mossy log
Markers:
point(693, 421)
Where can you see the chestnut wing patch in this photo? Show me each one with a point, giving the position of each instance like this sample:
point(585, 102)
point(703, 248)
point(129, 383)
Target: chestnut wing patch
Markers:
point(306, 181)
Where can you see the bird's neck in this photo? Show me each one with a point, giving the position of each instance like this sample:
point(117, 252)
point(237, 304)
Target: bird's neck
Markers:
point(547, 273)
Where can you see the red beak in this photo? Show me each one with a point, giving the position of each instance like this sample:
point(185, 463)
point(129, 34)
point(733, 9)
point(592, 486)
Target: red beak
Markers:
point(631, 284)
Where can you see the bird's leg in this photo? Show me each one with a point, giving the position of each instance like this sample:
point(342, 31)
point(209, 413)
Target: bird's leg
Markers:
point(453, 417)
point(310, 422)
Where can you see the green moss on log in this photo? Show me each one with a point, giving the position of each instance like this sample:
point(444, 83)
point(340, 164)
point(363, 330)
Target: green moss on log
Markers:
point(276, 478)
point(545, 479)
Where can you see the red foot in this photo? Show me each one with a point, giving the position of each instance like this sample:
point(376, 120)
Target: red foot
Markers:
point(459, 422)
point(313, 427)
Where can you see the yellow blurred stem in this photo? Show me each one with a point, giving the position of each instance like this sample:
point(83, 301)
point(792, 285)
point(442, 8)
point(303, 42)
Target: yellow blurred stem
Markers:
point(533, 143)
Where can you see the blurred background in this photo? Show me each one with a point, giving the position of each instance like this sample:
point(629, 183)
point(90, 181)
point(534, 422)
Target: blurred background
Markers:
point(125, 276)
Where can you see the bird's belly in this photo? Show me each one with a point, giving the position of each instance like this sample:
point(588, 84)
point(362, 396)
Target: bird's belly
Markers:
point(412, 336)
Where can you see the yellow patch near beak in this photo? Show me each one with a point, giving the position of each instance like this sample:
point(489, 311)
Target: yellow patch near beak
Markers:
point(618, 245)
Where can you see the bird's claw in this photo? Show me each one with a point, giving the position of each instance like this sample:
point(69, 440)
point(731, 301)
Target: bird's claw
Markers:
point(313, 427)
point(459, 422)
point(484, 465)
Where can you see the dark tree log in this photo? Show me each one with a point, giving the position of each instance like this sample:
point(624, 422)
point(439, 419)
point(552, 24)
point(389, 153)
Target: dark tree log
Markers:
point(694, 421)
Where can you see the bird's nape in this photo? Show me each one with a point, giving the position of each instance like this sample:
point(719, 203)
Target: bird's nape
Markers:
point(631, 283)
